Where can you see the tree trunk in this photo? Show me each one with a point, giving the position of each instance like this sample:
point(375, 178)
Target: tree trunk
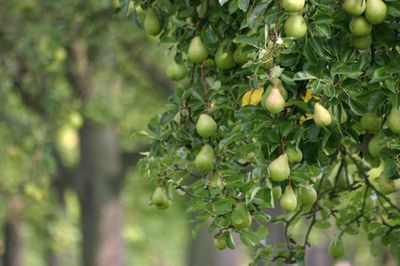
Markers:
point(13, 231)
point(203, 252)
point(101, 212)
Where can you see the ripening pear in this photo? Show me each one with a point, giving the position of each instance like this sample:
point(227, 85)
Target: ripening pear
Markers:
point(375, 145)
point(336, 248)
point(386, 185)
point(277, 192)
point(394, 121)
point(361, 43)
point(160, 199)
point(220, 242)
point(275, 102)
point(294, 155)
point(293, 5)
point(371, 122)
point(359, 26)
point(307, 195)
point(295, 26)
point(322, 117)
point(279, 169)
point(288, 200)
point(176, 71)
point(206, 126)
point(197, 52)
point(375, 11)
point(205, 159)
point(224, 58)
point(354, 7)
point(152, 24)
point(241, 217)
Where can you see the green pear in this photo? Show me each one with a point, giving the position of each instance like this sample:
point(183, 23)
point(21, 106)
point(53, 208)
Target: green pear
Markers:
point(220, 242)
point(279, 169)
point(386, 185)
point(224, 58)
point(294, 155)
point(371, 122)
point(394, 121)
point(336, 248)
point(160, 199)
point(176, 71)
point(359, 26)
point(293, 5)
point(277, 83)
point(240, 56)
point(375, 11)
point(375, 145)
point(354, 7)
point(241, 217)
point(307, 195)
point(197, 52)
point(288, 200)
point(205, 159)
point(361, 43)
point(152, 24)
point(275, 102)
point(295, 26)
point(277, 192)
point(322, 117)
point(206, 126)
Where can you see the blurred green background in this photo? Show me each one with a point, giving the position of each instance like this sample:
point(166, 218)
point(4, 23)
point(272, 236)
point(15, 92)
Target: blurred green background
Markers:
point(76, 85)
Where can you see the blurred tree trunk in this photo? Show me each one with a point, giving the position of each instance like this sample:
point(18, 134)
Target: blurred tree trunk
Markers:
point(101, 212)
point(13, 234)
point(203, 252)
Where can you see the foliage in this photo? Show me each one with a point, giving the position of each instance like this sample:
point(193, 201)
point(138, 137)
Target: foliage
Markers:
point(321, 70)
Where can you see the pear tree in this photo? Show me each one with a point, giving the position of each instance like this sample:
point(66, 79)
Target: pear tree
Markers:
point(279, 103)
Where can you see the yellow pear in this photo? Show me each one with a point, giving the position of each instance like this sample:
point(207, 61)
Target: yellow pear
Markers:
point(322, 117)
point(275, 101)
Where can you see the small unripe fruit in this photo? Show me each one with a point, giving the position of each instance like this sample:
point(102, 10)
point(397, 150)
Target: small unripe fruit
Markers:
point(293, 5)
point(322, 117)
point(197, 52)
point(241, 218)
point(371, 122)
point(336, 248)
point(160, 199)
point(176, 71)
point(375, 145)
point(361, 43)
point(277, 192)
point(288, 200)
point(152, 24)
point(394, 121)
point(279, 169)
point(294, 155)
point(224, 59)
point(275, 103)
point(206, 126)
point(205, 159)
point(307, 195)
point(354, 7)
point(359, 26)
point(220, 242)
point(295, 26)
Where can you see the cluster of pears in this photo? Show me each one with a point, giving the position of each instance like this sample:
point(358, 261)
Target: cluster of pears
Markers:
point(279, 171)
point(295, 26)
point(372, 123)
point(206, 127)
point(160, 198)
point(365, 13)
